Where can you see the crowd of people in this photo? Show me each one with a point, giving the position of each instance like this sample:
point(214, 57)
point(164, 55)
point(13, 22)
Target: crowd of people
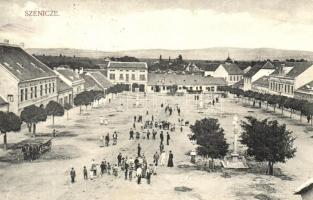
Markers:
point(143, 128)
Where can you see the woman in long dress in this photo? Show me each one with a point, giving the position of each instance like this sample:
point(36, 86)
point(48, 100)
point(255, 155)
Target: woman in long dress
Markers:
point(170, 160)
point(162, 158)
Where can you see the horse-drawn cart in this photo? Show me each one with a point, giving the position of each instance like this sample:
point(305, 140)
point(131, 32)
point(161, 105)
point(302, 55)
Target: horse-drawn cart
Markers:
point(33, 148)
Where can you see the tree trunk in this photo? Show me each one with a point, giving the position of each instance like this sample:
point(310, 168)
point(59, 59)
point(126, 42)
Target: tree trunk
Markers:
point(5, 143)
point(29, 125)
point(67, 115)
point(270, 170)
point(290, 113)
point(300, 116)
point(80, 109)
point(34, 129)
point(274, 109)
point(282, 110)
point(311, 120)
point(52, 121)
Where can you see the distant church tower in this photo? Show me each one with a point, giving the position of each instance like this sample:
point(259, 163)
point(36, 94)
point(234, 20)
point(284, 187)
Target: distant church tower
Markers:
point(228, 59)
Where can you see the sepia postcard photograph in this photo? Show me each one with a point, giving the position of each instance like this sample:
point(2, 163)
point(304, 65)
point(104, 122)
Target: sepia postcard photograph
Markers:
point(156, 100)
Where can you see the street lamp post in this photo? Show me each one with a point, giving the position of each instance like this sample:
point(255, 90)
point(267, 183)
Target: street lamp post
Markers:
point(235, 124)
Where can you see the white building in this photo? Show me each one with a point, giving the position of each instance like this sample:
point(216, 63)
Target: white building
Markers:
point(289, 77)
point(100, 81)
point(305, 92)
point(130, 73)
point(257, 71)
point(208, 68)
point(71, 78)
point(65, 92)
point(24, 80)
point(162, 83)
point(261, 85)
point(230, 72)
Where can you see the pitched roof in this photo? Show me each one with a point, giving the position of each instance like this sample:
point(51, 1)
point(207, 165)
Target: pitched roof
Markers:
point(69, 74)
point(257, 67)
point(238, 84)
point(299, 68)
point(175, 79)
point(90, 83)
point(23, 65)
point(262, 82)
point(306, 88)
point(232, 69)
point(62, 86)
point(208, 66)
point(253, 70)
point(128, 65)
point(101, 79)
point(3, 101)
point(308, 185)
point(268, 65)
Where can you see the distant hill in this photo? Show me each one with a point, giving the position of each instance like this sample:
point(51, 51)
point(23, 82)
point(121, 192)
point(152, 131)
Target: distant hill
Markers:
point(214, 53)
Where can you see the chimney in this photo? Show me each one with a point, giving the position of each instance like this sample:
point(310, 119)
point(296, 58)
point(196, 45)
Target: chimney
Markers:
point(22, 44)
point(281, 69)
point(6, 41)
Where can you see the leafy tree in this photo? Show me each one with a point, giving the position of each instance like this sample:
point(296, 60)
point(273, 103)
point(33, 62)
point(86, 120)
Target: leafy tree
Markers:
point(32, 115)
point(180, 58)
point(67, 107)
point(54, 109)
point(210, 138)
point(83, 99)
point(272, 100)
point(173, 89)
point(307, 110)
point(267, 141)
point(8, 122)
point(282, 101)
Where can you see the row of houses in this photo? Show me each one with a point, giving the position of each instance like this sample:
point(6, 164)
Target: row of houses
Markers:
point(291, 79)
point(26, 81)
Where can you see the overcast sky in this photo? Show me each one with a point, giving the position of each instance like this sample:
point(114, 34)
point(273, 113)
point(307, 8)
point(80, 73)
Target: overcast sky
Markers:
point(168, 24)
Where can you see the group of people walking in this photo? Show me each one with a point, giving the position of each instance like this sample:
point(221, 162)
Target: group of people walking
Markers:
point(137, 167)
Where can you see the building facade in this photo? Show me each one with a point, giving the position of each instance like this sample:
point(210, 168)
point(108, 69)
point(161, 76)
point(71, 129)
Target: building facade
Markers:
point(289, 77)
point(65, 93)
point(305, 92)
point(101, 80)
point(130, 73)
point(261, 85)
point(230, 72)
point(71, 78)
point(24, 80)
point(257, 71)
point(163, 83)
